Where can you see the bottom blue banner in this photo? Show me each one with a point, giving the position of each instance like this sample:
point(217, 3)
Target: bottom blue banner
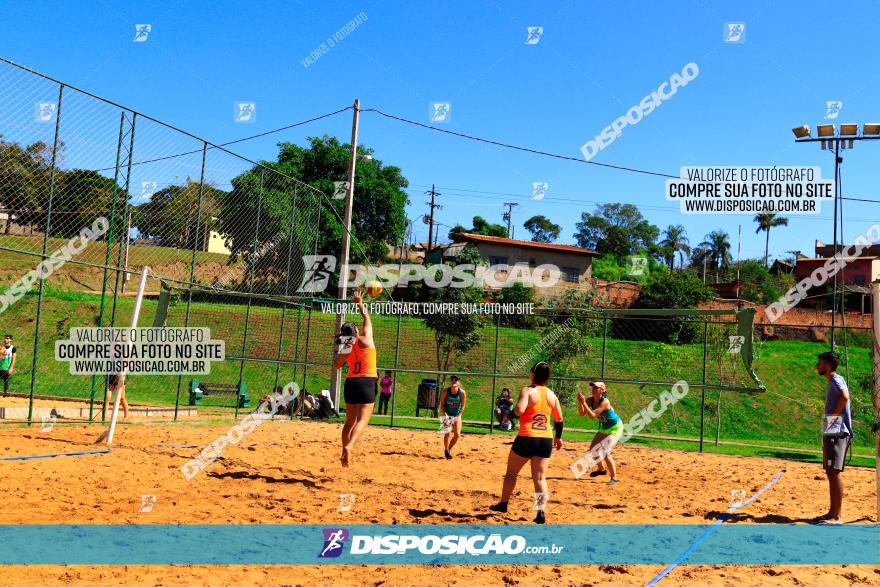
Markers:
point(630, 544)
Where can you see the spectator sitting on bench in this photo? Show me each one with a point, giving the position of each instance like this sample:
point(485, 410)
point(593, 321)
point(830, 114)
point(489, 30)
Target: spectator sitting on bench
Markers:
point(504, 410)
point(281, 403)
point(307, 402)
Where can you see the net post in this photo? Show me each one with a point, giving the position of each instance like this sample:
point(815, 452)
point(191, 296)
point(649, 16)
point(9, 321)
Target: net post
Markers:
point(120, 386)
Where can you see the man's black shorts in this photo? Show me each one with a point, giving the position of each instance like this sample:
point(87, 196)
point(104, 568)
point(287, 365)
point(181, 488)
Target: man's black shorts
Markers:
point(834, 451)
point(361, 390)
point(529, 446)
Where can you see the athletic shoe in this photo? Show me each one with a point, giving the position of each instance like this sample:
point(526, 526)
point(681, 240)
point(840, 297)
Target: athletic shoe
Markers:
point(829, 522)
point(597, 473)
point(501, 506)
point(539, 518)
point(448, 454)
point(613, 482)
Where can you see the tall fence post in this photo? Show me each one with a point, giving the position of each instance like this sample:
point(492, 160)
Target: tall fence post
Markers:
point(192, 266)
point(604, 344)
point(109, 248)
point(703, 390)
point(494, 376)
point(306, 353)
point(286, 293)
point(296, 346)
point(45, 253)
point(120, 271)
point(396, 365)
point(251, 271)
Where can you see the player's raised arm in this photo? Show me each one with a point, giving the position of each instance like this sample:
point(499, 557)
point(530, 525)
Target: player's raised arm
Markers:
point(367, 328)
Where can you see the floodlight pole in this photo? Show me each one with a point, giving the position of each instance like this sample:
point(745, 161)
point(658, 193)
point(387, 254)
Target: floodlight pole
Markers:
point(836, 140)
point(346, 244)
point(837, 195)
point(875, 319)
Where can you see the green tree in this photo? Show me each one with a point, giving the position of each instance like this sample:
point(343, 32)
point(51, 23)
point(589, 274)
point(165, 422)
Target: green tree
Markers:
point(665, 290)
point(618, 229)
point(24, 175)
point(716, 249)
point(677, 290)
point(480, 226)
point(454, 333)
point(542, 230)
point(756, 283)
point(171, 213)
point(516, 294)
point(80, 197)
point(675, 241)
point(378, 214)
point(765, 223)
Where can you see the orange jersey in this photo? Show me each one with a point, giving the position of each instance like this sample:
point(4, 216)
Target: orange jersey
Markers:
point(535, 420)
point(361, 361)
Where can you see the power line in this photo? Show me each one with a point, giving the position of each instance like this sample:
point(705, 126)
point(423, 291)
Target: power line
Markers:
point(241, 140)
point(518, 148)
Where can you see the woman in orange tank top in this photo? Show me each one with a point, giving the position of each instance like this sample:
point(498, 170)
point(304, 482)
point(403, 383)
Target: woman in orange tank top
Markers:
point(356, 349)
point(534, 443)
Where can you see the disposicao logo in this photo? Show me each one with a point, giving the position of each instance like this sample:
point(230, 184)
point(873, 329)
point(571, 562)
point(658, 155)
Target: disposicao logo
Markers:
point(334, 542)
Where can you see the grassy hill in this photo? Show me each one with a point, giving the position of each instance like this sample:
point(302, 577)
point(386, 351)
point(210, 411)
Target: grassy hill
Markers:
point(788, 414)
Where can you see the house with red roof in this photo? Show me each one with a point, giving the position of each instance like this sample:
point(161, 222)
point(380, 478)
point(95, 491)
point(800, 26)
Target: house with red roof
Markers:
point(567, 265)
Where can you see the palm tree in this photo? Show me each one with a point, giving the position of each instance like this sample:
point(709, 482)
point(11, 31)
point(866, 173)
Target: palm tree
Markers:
point(717, 251)
point(675, 241)
point(765, 223)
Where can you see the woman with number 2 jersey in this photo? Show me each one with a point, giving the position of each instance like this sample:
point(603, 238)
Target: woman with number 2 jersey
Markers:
point(361, 385)
point(536, 406)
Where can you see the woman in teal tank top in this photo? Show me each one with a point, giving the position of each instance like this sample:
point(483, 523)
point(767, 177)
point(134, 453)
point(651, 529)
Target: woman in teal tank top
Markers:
point(452, 402)
point(610, 427)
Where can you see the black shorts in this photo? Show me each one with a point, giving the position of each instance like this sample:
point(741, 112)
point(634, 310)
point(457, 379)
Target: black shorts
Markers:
point(529, 446)
point(361, 390)
point(834, 451)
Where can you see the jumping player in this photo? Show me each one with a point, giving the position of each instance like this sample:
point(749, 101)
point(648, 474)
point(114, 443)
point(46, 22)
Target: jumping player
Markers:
point(598, 406)
point(453, 402)
point(535, 441)
point(361, 383)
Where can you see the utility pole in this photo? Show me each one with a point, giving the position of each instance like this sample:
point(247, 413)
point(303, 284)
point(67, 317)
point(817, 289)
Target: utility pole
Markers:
point(432, 205)
point(346, 243)
point(508, 216)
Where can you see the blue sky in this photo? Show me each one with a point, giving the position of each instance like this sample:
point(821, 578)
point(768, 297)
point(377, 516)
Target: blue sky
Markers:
point(593, 62)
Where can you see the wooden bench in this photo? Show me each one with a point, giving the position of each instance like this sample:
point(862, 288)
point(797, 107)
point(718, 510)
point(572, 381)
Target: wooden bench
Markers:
point(198, 390)
point(428, 396)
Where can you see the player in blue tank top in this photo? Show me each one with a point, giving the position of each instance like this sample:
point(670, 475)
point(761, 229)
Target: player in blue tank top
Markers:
point(453, 402)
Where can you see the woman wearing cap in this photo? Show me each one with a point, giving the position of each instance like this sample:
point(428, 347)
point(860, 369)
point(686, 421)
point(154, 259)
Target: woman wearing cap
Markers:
point(534, 443)
point(453, 402)
point(598, 406)
point(356, 349)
